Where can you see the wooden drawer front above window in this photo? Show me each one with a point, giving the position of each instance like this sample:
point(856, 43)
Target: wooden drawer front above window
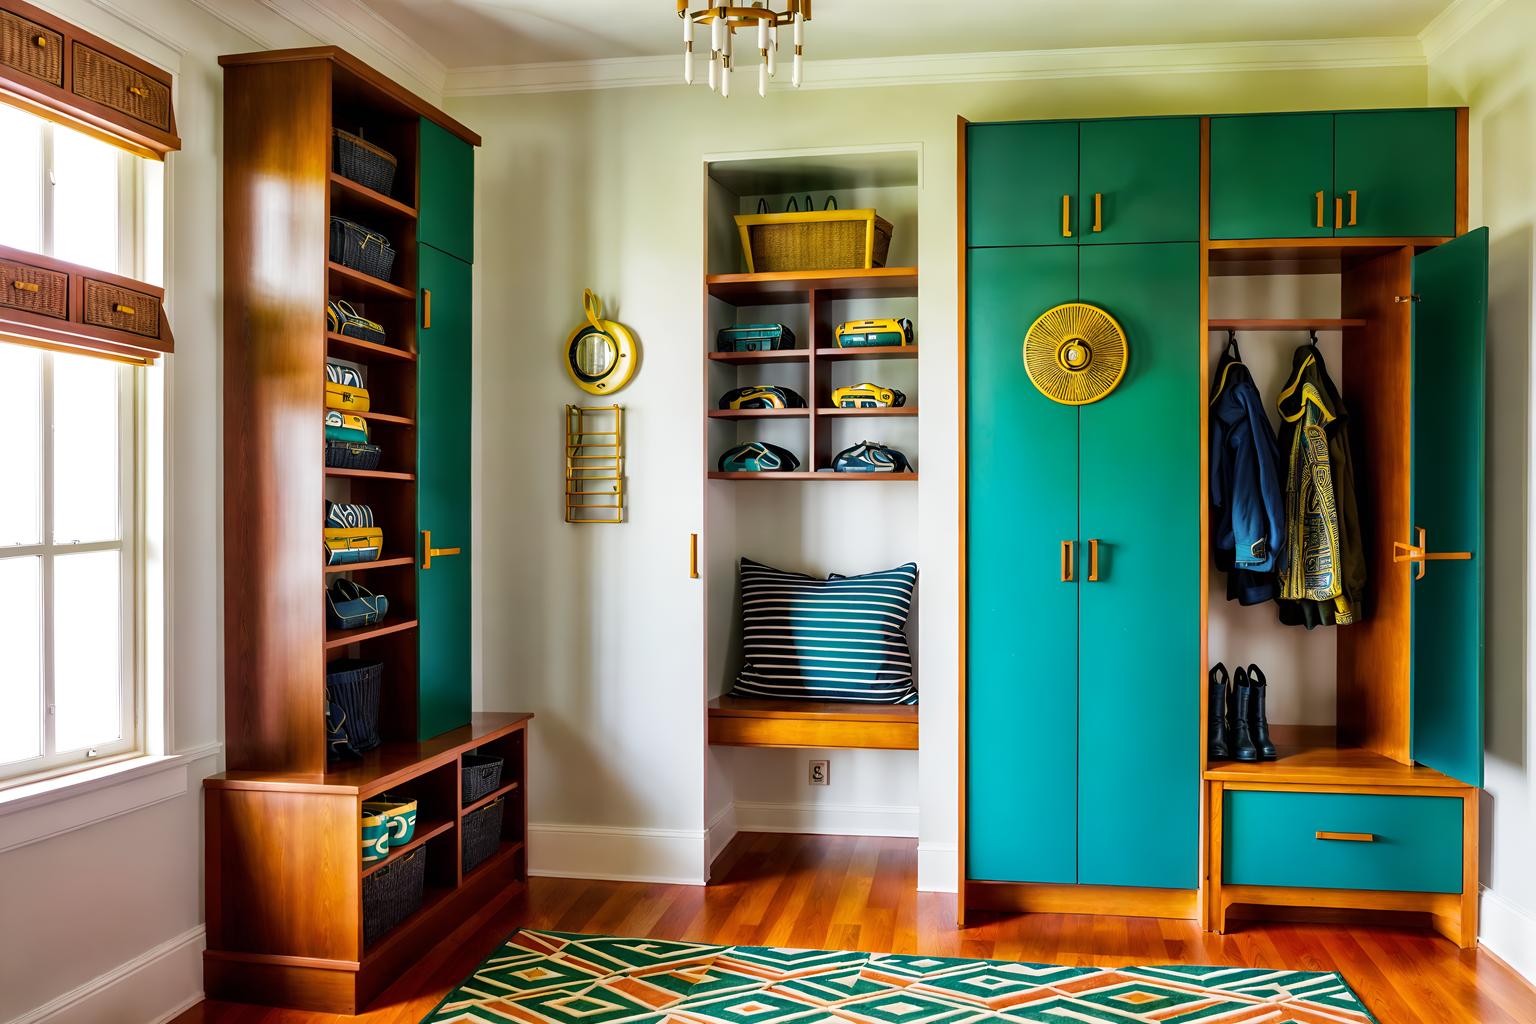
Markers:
point(1342, 841)
point(114, 84)
point(31, 49)
point(122, 309)
point(34, 289)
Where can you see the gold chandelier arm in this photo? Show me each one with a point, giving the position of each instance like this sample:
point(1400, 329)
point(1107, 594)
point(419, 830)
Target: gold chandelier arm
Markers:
point(742, 14)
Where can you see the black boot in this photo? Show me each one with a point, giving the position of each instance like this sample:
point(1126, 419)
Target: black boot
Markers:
point(1258, 719)
point(1216, 715)
point(1239, 737)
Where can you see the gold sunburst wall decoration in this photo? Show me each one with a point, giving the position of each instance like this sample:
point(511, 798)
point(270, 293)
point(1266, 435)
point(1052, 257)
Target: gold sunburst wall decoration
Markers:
point(1075, 353)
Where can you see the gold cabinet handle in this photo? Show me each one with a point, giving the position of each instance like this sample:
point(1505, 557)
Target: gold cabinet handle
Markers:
point(40, 41)
point(426, 309)
point(1319, 197)
point(1066, 561)
point(1354, 202)
point(1066, 216)
point(1419, 554)
point(1348, 837)
point(1098, 211)
point(138, 90)
point(693, 556)
point(118, 307)
point(428, 552)
point(1338, 212)
point(1093, 560)
point(25, 286)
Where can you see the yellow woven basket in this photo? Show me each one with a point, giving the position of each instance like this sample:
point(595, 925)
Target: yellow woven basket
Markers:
point(816, 240)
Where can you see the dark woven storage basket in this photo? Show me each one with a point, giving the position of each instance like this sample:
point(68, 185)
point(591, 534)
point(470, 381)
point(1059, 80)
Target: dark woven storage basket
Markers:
point(352, 455)
point(353, 245)
point(393, 893)
point(364, 163)
point(482, 834)
point(355, 685)
point(482, 776)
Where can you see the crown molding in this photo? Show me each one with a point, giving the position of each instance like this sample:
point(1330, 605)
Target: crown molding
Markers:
point(950, 68)
point(354, 25)
point(1455, 21)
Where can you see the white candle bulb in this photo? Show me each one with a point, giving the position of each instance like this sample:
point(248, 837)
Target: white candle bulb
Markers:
point(762, 79)
point(714, 73)
point(762, 34)
point(687, 49)
point(687, 28)
point(796, 75)
point(717, 35)
point(799, 30)
point(725, 79)
point(773, 51)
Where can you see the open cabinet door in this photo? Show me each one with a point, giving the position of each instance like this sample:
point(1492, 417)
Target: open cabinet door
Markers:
point(1445, 553)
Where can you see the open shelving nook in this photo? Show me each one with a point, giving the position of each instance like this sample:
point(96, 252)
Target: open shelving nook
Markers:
point(809, 520)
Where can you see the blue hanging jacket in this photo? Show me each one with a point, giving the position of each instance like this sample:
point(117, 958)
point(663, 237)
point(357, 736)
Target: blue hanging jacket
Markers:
point(1247, 497)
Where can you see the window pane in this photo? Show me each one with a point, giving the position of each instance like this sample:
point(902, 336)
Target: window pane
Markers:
point(21, 179)
point(85, 449)
point(21, 683)
point(84, 200)
point(87, 649)
point(152, 220)
point(21, 453)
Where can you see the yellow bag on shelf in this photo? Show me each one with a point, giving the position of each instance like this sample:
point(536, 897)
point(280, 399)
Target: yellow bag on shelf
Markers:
point(344, 388)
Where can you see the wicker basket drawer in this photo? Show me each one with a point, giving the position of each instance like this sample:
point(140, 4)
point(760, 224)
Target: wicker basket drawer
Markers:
point(114, 84)
point(122, 309)
point(34, 289)
point(31, 49)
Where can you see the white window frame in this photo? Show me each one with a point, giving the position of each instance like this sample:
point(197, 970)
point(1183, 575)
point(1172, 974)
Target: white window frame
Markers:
point(132, 254)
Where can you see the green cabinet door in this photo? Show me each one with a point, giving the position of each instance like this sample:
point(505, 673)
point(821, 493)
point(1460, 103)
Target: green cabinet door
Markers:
point(1139, 180)
point(1400, 166)
point(443, 490)
point(446, 220)
point(1138, 765)
point(1017, 176)
point(1449, 327)
point(1267, 171)
point(1021, 655)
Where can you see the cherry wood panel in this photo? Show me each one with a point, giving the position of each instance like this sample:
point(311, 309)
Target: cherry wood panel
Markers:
point(1300, 324)
point(742, 722)
point(769, 288)
point(837, 355)
point(1330, 765)
point(861, 893)
point(803, 475)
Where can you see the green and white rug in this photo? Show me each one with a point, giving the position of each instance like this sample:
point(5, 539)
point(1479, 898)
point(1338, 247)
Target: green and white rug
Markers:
point(565, 978)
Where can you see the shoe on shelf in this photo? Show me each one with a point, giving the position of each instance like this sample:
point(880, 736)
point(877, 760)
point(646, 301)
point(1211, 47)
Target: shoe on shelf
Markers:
point(1258, 717)
point(1239, 715)
point(1216, 714)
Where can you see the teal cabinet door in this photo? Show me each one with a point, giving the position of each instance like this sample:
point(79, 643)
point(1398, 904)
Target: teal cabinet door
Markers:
point(1450, 323)
point(1395, 172)
point(1138, 766)
point(1272, 176)
point(1140, 180)
point(446, 219)
point(442, 490)
point(1021, 504)
point(1017, 177)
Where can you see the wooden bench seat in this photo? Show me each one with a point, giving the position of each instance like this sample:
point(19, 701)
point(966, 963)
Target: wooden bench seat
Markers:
point(738, 722)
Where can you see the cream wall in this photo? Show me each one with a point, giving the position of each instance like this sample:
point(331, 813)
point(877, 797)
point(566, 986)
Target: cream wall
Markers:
point(598, 630)
point(1489, 68)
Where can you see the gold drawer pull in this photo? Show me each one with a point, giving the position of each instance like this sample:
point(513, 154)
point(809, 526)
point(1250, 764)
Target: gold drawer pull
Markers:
point(1066, 216)
point(1093, 560)
point(118, 307)
point(428, 552)
point(24, 286)
point(1098, 211)
point(1348, 837)
point(1066, 561)
point(41, 41)
point(139, 90)
point(1319, 197)
point(1418, 554)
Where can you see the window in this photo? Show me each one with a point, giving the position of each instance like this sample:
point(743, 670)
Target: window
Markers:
point(71, 579)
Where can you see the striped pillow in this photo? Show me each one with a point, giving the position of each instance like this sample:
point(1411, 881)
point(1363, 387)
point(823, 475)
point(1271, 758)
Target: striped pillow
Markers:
point(838, 639)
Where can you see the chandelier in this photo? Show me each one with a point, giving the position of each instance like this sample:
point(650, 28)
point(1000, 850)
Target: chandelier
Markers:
point(721, 22)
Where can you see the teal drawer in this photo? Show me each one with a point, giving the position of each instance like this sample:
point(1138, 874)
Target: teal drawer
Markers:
point(1270, 838)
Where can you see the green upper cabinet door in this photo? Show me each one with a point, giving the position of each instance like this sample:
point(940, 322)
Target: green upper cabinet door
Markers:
point(1138, 774)
point(1395, 173)
point(1272, 176)
point(1449, 327)
point(1021, 654)
point(1139, 180)
point(447, 215)
point(1019, 178)
point(443, 490)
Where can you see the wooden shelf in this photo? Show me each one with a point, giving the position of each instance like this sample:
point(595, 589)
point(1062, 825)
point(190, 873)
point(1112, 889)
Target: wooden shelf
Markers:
point(488, 799)
point(346, 282)
point(900, 410)
point(379, 563)
point(360, 350)
point(387, 417)
point(828, 476)
point(419, 839)
point(838, 355)
point(778, 288)
point(758, 414)
point(505, 852)
point(741, 722)
point(431, 898)
point(347, 194)
point(783, 355)
point(369, 474)
point(1329, 765)
point(336, 638)
point(1327, 255)
point(1284, 325)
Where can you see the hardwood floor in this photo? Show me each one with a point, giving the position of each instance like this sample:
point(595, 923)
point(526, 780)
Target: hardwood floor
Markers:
point(838, 892)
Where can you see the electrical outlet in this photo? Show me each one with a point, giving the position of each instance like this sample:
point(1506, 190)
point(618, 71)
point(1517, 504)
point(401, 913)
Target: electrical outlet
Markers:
point(821, 773)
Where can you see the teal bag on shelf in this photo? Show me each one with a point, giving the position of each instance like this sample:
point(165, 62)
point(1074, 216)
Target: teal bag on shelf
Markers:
point(375, 837)
point(345, 427)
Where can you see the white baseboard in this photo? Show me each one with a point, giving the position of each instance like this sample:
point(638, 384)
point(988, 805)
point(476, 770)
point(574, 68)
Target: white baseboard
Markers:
point(1509, 933)
point(827, 819)
point(722, 829)
point(154, 986)
point(938, 867)
point(665, 856)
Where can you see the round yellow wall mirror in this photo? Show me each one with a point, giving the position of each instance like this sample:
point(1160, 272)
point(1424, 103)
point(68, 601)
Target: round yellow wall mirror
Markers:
point(600, 355)
point(1075, 353)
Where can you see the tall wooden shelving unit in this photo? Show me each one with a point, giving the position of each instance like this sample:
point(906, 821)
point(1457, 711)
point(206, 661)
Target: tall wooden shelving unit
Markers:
point(285, 880)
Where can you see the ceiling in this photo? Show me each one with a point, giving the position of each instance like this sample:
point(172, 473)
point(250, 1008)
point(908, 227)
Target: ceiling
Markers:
point(488, 33)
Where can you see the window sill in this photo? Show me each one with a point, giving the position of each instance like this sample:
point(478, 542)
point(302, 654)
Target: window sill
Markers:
point(51, 807)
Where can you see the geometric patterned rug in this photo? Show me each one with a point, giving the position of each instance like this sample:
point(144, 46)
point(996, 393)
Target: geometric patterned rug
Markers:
point(542, 977)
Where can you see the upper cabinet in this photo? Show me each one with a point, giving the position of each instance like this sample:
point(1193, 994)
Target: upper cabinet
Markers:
point(1069, 182)
point(447, 214)
point(1388, 173)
